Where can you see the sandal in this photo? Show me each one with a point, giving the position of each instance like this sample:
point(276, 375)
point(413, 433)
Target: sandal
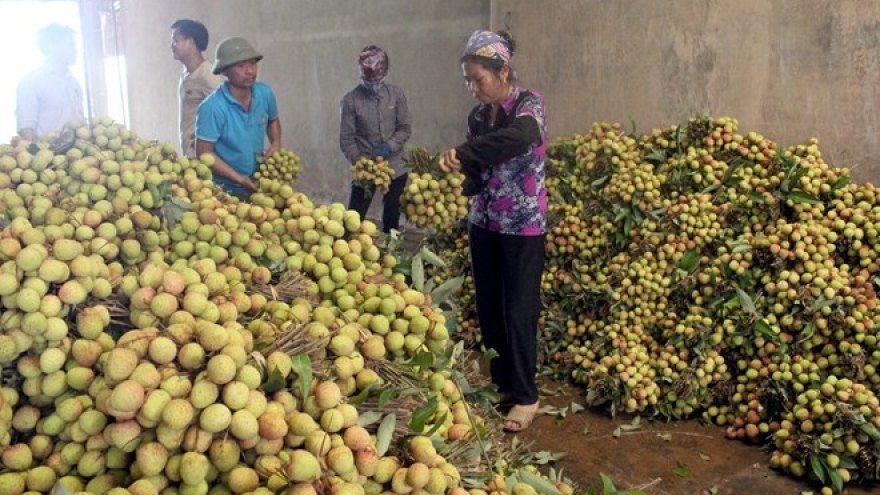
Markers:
point(520, 417)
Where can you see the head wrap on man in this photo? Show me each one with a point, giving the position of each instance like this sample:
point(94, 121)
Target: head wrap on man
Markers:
point(373, 64)
point(489, 45)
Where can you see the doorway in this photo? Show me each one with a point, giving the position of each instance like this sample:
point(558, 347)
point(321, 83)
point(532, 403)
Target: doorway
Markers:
point(100, 64)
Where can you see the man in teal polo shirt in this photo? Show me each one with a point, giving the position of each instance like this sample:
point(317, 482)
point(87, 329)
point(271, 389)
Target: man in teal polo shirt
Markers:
point(233, 121)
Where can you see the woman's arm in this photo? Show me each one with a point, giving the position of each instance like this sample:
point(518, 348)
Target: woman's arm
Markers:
point(496, 147)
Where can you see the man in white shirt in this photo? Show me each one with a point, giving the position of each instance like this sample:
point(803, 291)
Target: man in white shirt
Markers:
point(188, 40)
point(50, 96)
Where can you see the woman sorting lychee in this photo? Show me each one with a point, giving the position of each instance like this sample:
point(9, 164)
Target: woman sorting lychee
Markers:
point(504, 159)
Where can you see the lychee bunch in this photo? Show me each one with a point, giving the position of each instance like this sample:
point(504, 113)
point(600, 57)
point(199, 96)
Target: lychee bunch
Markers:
point(372, 173)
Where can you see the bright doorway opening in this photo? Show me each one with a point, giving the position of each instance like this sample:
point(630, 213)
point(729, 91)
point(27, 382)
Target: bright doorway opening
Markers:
point(100, 65)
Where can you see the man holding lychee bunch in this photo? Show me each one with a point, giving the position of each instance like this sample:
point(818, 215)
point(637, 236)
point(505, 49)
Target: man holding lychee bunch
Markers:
point(234, 121)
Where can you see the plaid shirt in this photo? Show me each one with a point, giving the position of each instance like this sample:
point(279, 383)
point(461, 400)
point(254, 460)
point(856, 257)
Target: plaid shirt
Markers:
point(370, 118)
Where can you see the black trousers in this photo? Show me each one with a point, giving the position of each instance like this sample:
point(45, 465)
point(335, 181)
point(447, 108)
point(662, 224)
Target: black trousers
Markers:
point(360, 198)
point(507, 276)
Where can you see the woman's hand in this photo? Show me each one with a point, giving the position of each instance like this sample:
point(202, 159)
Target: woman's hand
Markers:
point(449, 161)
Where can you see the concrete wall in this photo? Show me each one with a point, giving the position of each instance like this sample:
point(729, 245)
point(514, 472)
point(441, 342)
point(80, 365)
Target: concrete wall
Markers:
point(310, 53)
point(788, 69)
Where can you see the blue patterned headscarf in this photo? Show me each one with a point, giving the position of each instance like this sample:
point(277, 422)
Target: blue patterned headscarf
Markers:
point(487, 44)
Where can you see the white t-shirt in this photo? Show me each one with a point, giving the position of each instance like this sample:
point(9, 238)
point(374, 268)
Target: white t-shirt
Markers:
point(46, 99)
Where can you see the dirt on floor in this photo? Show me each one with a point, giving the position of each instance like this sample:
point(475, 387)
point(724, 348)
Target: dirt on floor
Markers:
point(657, 457)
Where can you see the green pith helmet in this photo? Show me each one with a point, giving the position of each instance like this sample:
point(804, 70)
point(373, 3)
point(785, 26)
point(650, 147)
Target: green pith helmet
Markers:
point(232, 51)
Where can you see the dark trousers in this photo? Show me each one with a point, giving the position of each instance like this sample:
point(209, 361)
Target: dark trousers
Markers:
point(360, 198)
point(507, 277)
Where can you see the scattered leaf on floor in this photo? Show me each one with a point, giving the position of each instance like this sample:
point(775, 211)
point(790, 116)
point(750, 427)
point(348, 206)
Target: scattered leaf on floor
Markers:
point(681, 471)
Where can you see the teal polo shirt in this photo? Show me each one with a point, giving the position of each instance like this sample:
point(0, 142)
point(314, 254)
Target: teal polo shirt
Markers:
point(238, 135)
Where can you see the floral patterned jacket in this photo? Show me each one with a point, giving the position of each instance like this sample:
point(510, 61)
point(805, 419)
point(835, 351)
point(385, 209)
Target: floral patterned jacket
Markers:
point(510, 156)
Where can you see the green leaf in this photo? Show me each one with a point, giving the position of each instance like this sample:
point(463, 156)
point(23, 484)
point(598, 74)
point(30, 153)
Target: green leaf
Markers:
point(764, 329)
point(545, 457)
point(159, 192)
point(431, 257)
point(302, 366)
point(847, 462)
point(841, 183)
point(173, 209)
point(820, 303)
point(802, 197)
point(601, 180)
point(385, 432)
point(734, 165)
point(385, 396)
point(836, 480)
point(423, 360)
point(362, 396)
point(540, 484)
point(746, 302)
point(705, 457)
point(511, 480)
point(607, 486)
point(681, 471)
point(274, 382)
point(429, 286)
point(421, 415)
point(437, 424)
point(446, 289)
point(808, 331)
point(418, 273)
point(154, 192)
point(6, 220)
point(870, 430)
point(656, 156)
point(818, 467)
point(794, 177)
point(689, 260)
point(741, 247)
point(368, 418)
